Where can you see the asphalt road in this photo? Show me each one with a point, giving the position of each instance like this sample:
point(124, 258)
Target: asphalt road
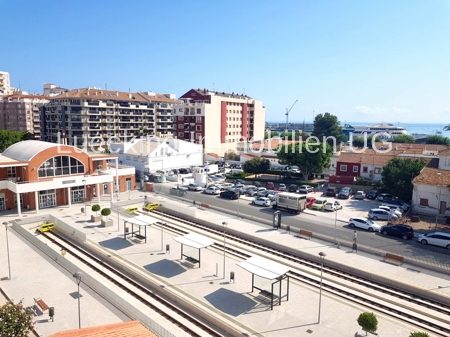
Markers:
point(321, 225)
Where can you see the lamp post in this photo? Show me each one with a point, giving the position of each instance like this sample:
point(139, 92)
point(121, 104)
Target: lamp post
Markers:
point(85, 196)
point(78, 276)
point(438, 208)
point(225, 224)
point(7, 249)
point(162, 229)
point(335, 226)
point(322, 257)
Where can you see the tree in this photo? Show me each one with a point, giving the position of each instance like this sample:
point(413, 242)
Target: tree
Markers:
point(310, 159)
point(15, 320)
point(28, 136)
point(105, 212)
point(231, 156)
point(256, 166)
point(368, 322)
point(293, 135)
point(435, 139)
point(271, 135)
point(359, 141)
point(398, 174)
point(95, 208)
point(327, 125)
point(419, 334)
point(8, 138)
point(403, 139)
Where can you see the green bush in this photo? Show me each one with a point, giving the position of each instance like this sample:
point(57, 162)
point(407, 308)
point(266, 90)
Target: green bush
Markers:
point(95, 208)
point(368, 321)
point(15, 320)
point(106, 212)
point(419, 334)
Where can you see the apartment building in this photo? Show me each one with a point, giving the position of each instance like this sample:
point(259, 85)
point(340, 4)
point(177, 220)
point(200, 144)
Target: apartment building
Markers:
point(218, 120)
point(5, 85)
point(92, 115)
point(53, 90)
point(20, 112)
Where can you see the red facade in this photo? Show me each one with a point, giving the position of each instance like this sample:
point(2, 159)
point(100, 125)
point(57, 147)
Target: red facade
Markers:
point(348, 169)
point(223, 121)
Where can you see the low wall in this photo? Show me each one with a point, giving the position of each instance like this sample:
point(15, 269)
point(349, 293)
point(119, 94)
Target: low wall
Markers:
point(355, 188)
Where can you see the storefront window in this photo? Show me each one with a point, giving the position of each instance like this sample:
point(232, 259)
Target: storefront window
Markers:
point(60, 166)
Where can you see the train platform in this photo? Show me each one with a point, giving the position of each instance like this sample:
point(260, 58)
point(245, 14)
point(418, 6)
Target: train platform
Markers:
point(209, 287)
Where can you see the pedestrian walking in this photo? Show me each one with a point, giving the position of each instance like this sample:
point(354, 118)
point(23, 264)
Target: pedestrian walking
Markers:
point(355, 236)
point(355, 246)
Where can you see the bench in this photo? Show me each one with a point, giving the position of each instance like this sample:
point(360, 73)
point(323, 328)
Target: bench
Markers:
point(204, 206)
point(302, 232)
point(132, 209)
point(41, 304)
point(393, 257)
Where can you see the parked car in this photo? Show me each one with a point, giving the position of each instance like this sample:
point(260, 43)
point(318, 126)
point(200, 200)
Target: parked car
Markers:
point(225, 186)
point(436, 239)
point(293, 188)
point(359, 195)
point(261, 192)
point(364, 224)
point(181, 192)
point(331, 192)
point(310, 201)
point(239, 181)
point(403, 231)
point(261, 201)
point(332, 206)
point(345, 193)
point(294, 170)
point(212, 190)
point(270, 185)
point(195, 187)
point(397, 202)
point(306, 189)
point(381, 196)
point(319, 204)
point(240, 188)
point(282, 187)
point(252, 193)
point(372, 194)
point(229, 194)
point(394, 210)
point(251, 190)
point(381, 214)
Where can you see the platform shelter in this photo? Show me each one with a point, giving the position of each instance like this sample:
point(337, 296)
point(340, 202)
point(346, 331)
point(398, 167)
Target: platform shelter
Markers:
point(269, 277)
point(140, 222)
point(196, 242)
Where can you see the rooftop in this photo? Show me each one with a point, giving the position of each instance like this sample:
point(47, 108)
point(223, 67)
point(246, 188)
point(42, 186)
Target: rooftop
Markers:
point(433, 176)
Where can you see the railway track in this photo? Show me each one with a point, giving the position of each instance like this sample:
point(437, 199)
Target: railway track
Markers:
point(134, 288)
point(393, 301)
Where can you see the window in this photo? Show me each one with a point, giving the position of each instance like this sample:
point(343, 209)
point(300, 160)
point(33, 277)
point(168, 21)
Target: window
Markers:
point(135, 158)
point(198, 128)
point(344, 168)
point(198, 119)
point(59, 166)
point(180, 118)
point(365, 169)
point(423, 202)
point(355, 169)
point(128, 157)
point(11, 172)
point(377, 170)
point(180, 109)
point(180, 126)
point(198, 135)
point(199, 111)
point(99, 166)
point(180, 134)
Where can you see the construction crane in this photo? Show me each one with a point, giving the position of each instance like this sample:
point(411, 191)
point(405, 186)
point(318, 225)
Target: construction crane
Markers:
point(287, 112)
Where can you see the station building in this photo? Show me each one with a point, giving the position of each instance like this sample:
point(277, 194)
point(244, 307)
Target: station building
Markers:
point(36, 175)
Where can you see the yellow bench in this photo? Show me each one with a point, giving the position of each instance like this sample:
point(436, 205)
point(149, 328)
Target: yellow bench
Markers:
point(132, 209)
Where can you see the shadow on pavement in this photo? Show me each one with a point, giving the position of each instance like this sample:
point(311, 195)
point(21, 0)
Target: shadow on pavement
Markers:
point(230, 302)
point(115, 243)
point(165, 268)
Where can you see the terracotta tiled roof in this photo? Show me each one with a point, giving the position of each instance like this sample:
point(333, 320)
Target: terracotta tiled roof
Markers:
point(272, 143)
point(215, 155)
point(247, 156)
point(111, 95)
point(445, 152)
point(124, 329)
point(429, 176)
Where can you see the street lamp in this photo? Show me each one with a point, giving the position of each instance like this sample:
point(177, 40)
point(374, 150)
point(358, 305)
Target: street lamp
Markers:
point(85, 195)
point(225, 224)
point(438, 208)
point(322, 257)
point(7, 249)
point(78, 276)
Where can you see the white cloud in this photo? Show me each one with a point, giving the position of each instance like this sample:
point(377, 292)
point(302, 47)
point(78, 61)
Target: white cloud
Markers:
point(389, 112)
point(365, 110)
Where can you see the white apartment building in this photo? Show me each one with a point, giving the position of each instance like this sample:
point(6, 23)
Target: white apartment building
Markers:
point(53, 90)
point(88, 115)
point(148, 154)
point(5, 84)
point(218, 120)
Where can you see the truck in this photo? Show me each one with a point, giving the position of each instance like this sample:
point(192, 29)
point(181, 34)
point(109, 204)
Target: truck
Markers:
point(290, 202)
point(212, 169)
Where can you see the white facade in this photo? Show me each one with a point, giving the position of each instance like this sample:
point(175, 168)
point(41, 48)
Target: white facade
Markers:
point(427, 199)
point(5, 85)
point(53, 90)
point(151, 154)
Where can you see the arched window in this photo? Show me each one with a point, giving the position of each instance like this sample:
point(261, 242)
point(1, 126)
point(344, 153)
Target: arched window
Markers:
point(60, 166)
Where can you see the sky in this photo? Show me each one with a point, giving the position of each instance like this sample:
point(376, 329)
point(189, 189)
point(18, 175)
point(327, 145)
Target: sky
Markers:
point(363, 60)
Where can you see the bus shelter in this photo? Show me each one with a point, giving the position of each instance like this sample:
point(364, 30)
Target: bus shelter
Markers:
point(269, 277)
point(139, 222)
point(196, 242)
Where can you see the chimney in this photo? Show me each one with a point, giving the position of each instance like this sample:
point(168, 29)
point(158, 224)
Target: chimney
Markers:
point(117, 93)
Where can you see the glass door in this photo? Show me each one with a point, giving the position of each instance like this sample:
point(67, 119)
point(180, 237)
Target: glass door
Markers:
point(2, 204)
point(78, 194)
point(47, 199)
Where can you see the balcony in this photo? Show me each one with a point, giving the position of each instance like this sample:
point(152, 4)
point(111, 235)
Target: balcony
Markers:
point(93, 112)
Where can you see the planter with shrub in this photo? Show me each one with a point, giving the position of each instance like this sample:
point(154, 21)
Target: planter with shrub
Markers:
point(95, 208)
point(106, 222)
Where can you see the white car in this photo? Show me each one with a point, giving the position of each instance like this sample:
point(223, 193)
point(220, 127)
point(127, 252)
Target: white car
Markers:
point(393, 210)
point(252, 193)
point(261, 201)
point(332, 206)
point(294, 170)
point(195, 187)
point(437, 239)
point(364, 224)
point(212, 190)
point(306, 189)
point(282, 187)
point(225, 186)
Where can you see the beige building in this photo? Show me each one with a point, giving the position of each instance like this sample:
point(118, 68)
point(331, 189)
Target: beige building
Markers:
point(20, 112)
point(88, 115)
point(53, 90)
point(5, 85)
point(218, 120)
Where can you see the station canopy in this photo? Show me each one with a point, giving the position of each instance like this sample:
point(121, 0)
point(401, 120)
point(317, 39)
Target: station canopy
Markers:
point(141, 220)
point(194, 240)
point(264, 268)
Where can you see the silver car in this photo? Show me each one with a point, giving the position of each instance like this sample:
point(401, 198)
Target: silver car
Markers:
point(381, 214)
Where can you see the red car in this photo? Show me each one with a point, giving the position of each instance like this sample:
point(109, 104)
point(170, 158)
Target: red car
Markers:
point(270, 185)
point(310, 201)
